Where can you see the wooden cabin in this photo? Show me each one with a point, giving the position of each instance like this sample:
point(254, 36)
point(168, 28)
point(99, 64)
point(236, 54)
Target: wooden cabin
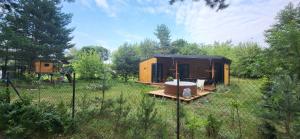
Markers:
point(213, 69)
point(44, 66)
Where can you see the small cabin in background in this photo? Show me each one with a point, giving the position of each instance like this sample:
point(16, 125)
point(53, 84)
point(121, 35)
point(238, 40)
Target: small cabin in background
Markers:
point(44, 66)
point(212, 69)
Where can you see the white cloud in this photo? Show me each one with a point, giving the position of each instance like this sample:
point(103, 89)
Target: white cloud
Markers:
point(241, 21)
point(102, 4)
point(109, 9)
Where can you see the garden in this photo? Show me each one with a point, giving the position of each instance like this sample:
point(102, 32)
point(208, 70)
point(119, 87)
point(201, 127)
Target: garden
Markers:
point(90, 92)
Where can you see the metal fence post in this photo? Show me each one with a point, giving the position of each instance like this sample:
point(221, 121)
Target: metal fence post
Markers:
point(178, 104)
point(73, 98)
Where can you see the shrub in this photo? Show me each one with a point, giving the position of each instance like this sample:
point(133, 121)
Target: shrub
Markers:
point(88, 65)
point(193, 124)
point(121, 112)
point(267, 130)
point(145, 116)
point(281, 102)
point(22, 119)
point(213, 126)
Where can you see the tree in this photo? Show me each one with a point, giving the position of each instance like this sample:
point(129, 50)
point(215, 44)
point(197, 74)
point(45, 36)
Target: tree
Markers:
point(103, 52)
point(36, 28)
point(88, 65)
point(281, 103)
point(162, 32)
point(147, 48)
point(251, 62)
point(146, 115)
point(284, 39)
point(191, 49)
point(181, 46)
point(125, 61)
point(220, 4)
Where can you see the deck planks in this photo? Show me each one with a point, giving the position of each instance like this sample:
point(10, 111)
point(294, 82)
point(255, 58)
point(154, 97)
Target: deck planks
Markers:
point(160, 93)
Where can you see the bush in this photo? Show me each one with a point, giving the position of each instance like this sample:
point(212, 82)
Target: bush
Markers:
point(267, 130)
point(21, 119)
point(145, 116)
point(88, 65)
point(213, 126)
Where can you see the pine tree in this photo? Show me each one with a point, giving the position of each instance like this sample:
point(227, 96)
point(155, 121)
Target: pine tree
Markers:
point(36, 27)
point(162, 32)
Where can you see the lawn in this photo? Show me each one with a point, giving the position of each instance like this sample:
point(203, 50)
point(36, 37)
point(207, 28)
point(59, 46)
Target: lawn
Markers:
point(244, 92)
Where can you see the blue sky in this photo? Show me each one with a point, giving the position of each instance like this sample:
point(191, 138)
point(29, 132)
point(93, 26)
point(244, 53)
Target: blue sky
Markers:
point(110, 23)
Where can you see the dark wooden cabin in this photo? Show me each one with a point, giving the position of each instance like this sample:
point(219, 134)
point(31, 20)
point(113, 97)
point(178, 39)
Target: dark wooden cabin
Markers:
point(157, 69)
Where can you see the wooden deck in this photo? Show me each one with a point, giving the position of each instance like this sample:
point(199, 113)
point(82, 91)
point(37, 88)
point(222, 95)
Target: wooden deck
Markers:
point(210, 87)
point(160, 93)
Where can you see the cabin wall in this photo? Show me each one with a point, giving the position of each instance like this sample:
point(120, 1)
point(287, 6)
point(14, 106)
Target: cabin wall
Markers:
point(226, 74)
point(45, 67)
point(199, 69)
point(145, 70)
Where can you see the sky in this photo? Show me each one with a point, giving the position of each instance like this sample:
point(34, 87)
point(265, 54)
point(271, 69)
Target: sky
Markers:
point(110, 23)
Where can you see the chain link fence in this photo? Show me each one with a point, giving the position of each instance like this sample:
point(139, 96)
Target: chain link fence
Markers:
point(235, 109)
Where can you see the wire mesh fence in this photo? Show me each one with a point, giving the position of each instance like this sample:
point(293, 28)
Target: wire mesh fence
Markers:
point(236, 107)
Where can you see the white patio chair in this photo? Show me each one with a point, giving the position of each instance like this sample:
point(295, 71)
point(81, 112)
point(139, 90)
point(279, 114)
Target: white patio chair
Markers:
point(200, 84)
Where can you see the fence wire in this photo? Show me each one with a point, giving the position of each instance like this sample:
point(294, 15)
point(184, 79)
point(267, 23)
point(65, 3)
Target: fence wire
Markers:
point(236, 106)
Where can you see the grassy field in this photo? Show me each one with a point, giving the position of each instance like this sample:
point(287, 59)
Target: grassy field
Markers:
point(243, 92)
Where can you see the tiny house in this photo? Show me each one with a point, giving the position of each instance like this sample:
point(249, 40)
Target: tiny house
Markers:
point(159, 68)
point(44, 66)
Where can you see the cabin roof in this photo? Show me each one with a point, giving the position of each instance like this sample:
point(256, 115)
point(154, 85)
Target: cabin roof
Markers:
point(200, 57)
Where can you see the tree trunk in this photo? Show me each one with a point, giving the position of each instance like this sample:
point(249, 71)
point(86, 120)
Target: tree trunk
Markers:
point(5, 63)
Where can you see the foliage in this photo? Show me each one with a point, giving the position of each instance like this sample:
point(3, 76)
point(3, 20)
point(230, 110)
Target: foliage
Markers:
point(22, 119)
point(162, 32)
point(194, 124)
point(251, 62)
point(5, 95)
point(147, 49)
point(281, 101)
point(248, 58)
point(45, 35)
point(182, 47)
point(284, 39)
point(235, 113)
point(267, 130)
point(88, 65)
point(213, 126)
point(121, 112)
point(103, 52)
point(146, 115)
point(125, 61)
point(220, 4)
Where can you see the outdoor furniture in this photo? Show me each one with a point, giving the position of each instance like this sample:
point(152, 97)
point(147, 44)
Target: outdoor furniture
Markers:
point(200, 84)
point(171, 88)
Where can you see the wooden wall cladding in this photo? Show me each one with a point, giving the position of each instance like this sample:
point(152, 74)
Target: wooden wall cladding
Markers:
point(145, 70)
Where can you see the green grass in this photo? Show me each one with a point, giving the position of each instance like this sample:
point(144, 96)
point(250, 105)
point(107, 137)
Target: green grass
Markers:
point(244, 91)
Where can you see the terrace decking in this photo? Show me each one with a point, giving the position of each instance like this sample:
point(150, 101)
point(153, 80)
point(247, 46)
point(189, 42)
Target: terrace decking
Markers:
point(160, 93)
point(200, 93)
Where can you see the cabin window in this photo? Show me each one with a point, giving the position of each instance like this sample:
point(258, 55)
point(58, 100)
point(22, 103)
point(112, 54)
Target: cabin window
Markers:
point(46, 65)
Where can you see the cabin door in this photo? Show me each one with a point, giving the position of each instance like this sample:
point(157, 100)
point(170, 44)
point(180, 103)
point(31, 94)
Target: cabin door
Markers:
point(157, 72)
point(184, 71)
point(219, 72)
